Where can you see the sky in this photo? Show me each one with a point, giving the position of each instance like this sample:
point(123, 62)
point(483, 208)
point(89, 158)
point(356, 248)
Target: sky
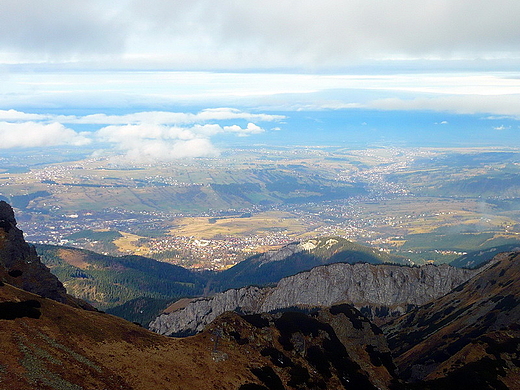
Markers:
point(168, 79)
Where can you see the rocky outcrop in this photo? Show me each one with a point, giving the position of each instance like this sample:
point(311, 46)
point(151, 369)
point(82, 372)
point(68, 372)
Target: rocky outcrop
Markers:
point(21, 267)
point(332, 348)
point(194, 316)
point(280, 254)
point(374, 288)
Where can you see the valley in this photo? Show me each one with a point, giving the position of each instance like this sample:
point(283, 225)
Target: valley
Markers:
point(430, 205)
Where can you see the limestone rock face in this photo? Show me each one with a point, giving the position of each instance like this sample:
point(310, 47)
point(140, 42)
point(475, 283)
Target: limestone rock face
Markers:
point(280, 254)
point(201, 311)
point(20, 265)
point(365, 285)
point(386, 289)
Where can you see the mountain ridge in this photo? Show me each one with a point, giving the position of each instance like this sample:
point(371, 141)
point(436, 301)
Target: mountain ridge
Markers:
point(476, 324)
point(268, 268)
point(387, 289)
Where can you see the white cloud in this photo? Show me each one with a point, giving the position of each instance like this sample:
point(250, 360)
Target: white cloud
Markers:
point(144, 143)
point(250, 129)
point(168, 118)
point(460, 104)
point(148, 117)
point(143, 136)
point(14, 115)
point(131, 133)
point(162, 150)
point(333, 32)
point(60, 30)
point(501, 127)
point(33, 134)
point(147, 142)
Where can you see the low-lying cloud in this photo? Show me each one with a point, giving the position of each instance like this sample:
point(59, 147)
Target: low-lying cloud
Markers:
point(141, 137)
point(459, 104)
point(159, 142)
point(149, 117)
point(34, 134)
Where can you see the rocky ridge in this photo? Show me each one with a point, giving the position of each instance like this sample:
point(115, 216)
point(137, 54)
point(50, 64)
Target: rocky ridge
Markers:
point(467, 339)
point(378, 290)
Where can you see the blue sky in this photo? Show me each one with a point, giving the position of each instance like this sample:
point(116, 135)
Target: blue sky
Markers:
point(162, 79)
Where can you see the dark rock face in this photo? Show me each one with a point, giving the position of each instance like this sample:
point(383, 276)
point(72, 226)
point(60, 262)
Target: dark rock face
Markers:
point(7, 220)
point(335, 348)
point(20, 265)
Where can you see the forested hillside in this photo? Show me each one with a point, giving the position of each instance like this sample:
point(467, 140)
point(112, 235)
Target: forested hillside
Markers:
point(108, 281)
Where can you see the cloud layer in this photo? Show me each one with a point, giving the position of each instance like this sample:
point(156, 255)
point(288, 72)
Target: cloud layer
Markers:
point(209, 34)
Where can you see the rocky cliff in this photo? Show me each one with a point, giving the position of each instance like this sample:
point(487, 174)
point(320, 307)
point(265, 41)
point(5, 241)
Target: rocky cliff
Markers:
point(20, 266)
point(378, 290)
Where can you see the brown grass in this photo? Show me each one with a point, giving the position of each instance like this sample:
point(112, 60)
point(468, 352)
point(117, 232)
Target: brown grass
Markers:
point(74, 258)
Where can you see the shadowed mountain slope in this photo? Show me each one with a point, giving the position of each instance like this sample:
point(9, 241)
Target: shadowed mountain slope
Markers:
point(468, 339)
point(268, 268)
point(48, 345)
point(108, 281)
point(476, 259)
